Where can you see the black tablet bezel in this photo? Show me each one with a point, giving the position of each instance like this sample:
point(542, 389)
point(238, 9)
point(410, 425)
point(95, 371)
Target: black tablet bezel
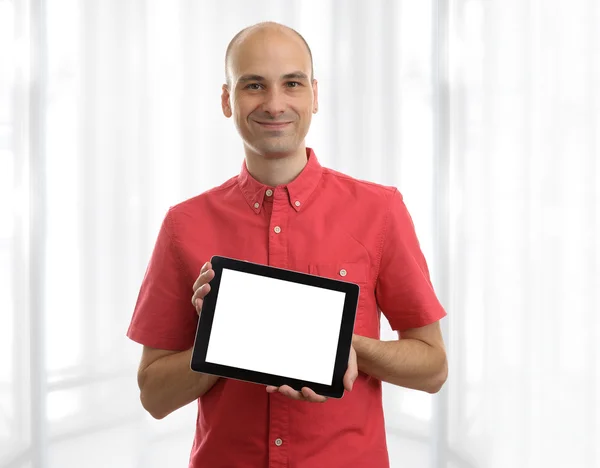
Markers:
point(351, 290)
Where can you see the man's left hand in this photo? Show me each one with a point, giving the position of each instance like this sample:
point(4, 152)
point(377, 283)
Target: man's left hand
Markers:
point(308, 395)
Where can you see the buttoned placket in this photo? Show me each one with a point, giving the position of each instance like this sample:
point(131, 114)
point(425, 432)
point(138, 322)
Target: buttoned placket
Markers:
point(278, 257)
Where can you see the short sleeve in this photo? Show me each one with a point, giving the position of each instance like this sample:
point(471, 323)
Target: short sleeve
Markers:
point(404, 291)
point(164, 316)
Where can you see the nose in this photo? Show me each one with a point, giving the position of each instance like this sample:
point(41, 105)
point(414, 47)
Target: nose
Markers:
point(274, 103)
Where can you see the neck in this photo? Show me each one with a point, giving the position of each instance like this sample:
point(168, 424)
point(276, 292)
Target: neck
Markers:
point(276, 169)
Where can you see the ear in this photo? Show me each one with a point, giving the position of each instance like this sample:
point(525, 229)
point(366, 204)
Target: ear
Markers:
point(226, 101)
point(315, 88)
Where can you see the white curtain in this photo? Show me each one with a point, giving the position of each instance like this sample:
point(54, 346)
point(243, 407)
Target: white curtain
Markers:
point(525, 206)
point(486, 115)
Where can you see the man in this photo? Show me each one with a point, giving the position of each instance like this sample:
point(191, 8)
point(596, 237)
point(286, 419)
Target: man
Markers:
point(284, 209)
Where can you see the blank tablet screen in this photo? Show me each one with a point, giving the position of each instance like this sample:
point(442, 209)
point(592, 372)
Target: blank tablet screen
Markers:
point(276, 326)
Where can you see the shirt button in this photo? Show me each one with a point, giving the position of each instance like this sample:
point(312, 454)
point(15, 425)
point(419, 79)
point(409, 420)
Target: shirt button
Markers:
point(343, 272)
point(256, 205)
point(297, 203)
point(277, 229)
point(269, 192)
point(278, 442)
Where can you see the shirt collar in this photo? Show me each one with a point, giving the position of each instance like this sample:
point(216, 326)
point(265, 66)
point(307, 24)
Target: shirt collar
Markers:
point(299, 190)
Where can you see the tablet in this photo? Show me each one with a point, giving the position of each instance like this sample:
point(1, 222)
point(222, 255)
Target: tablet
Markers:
point(274, 326)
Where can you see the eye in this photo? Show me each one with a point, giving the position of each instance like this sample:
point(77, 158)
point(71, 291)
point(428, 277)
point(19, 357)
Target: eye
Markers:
point(253, 86)
point(293, 84)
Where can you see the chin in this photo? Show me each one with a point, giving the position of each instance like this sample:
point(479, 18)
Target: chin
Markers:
point(276, 150)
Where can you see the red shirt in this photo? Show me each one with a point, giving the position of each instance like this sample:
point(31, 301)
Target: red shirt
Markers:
point(323, 223)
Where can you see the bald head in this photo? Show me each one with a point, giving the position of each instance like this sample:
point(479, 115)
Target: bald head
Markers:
point(267, 30)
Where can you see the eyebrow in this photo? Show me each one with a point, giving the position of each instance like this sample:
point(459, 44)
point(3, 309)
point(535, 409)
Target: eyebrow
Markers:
point(298, 75)
point(245, 78)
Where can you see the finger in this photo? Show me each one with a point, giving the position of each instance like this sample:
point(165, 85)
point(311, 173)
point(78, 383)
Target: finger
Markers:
point(201, 292)
point(272, 389)
point(204, 278)
point(196, 299)
point(198, 304)
point(206, 268)
point(311, 396)
point(352, 372)
point(290, 392)
point(349, 379)
point(305, 395)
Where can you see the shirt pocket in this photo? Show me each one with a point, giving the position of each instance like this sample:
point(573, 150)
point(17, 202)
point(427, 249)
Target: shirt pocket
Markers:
point(344, 271)
point(357, 273)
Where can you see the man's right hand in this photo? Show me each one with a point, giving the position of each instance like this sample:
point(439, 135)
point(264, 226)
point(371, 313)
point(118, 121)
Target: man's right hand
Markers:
point(158, 366)
point(201, 286)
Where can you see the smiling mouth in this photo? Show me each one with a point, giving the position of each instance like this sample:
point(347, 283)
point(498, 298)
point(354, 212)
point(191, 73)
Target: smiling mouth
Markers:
point(273, 125)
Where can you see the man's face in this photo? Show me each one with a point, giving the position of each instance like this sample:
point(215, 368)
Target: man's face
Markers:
point(271, 96)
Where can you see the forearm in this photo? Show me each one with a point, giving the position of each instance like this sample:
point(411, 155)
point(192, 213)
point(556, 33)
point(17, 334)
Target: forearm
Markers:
point(169, 384)
point(407, 362)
